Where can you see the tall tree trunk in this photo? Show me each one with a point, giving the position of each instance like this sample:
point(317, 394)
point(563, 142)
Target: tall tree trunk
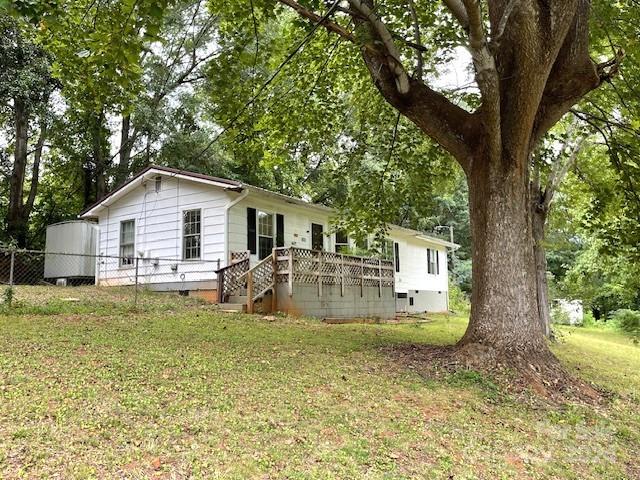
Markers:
point(99, 155)
point(504, 313)
point(125, 150)
point(16, 224)
point(539, 222)
point(87, 183)
point(35, 170)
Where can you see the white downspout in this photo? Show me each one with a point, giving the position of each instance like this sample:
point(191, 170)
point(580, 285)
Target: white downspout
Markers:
point(228, 207)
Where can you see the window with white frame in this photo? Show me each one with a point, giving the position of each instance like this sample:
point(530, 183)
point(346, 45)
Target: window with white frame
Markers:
point(342, 241)
point(127, 242)
point(433, 264)
point(265, 234)
point(191, 234)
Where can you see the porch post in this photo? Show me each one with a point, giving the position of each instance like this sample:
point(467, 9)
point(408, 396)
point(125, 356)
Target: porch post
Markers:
point(250, 291)
point(274, 263)
point(379, 277)
point(319, 274)
point(291, 271)
point(342, 275)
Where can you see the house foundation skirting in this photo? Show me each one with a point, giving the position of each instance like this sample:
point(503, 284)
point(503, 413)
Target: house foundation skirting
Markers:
point(335, 302)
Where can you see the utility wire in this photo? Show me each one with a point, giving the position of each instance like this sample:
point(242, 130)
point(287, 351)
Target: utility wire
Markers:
point(289, 57)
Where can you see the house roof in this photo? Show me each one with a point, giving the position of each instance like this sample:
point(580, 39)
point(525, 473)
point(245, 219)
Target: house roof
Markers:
point(153, 170)
point(232, 185)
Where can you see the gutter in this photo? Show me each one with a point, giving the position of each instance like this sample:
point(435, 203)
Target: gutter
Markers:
point(228, 207)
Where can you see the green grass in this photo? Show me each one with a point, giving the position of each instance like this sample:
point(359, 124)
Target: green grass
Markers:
point(91, 389)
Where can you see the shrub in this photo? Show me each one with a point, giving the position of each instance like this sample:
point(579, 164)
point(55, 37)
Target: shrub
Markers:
point(629, 322)
point(7, 296)
point(588, 320)
point(559, 315)
point(458, 300)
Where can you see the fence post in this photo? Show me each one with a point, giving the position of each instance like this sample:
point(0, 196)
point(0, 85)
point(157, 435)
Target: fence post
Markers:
point(361, 277)
point(11, 268)
point(379, 278)
point(135, 296)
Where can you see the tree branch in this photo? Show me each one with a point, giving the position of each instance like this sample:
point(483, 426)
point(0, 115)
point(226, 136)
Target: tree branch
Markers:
point(315, 18)
point(417, 37)
point(446, 123)
point(486, 73)
point(379, 29)
point(458, 10)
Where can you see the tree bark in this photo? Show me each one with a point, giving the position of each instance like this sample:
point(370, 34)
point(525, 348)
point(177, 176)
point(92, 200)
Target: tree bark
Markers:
point(504, 314)
point(16, 223)
point(539, 223)
point(99, 155)
point(125, 150)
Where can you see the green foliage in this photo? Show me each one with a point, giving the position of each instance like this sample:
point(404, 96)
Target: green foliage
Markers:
point(7, 296)
point(459, 302)
point(559, 315)
point(588, 320)
point(629, 322)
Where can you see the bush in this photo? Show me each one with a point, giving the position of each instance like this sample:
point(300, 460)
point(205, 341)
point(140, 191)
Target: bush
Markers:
point(629, 322)
point(559, 315)
point(458, 300)
point(588, 320)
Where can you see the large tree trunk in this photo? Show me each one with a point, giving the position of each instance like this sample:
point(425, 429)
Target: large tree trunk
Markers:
point(16, 223)
point(125, 149)
point(504, 313)
point(539, 222)
point(100, 155)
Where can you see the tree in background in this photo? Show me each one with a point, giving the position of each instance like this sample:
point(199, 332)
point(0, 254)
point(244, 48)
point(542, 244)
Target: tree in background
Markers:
point(26, 86)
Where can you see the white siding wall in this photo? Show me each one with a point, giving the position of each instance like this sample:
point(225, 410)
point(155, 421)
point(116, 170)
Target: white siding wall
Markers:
point(158, 222)
point(297, 223)
point(413, 273)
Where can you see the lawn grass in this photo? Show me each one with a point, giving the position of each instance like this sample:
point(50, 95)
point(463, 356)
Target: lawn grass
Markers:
point(92, 389)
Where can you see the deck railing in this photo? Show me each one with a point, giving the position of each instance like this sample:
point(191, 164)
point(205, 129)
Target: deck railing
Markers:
point(232, 279)
point(299, 265)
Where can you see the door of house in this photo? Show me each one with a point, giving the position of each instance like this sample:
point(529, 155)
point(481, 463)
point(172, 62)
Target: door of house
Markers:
point(317, 236)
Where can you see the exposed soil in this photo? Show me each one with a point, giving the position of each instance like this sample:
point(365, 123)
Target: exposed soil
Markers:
point(543, 378)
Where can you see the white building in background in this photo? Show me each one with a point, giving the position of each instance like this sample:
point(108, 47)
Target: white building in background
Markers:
point(199, 221)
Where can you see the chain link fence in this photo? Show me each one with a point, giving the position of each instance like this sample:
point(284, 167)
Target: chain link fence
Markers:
point(74, 277)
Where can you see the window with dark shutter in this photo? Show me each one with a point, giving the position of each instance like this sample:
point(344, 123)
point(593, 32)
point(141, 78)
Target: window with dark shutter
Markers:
point(279, 230)
point(396, 254)
point(251, 230)
point(437, 262)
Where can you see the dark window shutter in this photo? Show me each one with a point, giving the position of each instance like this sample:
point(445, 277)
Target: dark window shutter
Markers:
point(251, 230)
point(279, 230)
point(429, 260)
point(396, 254)
point(437, 262)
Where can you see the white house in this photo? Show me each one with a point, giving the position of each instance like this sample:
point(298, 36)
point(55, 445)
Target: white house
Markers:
point(186, 225)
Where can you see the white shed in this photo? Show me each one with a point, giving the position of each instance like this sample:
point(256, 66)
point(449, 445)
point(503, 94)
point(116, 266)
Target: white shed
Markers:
point(70, 250)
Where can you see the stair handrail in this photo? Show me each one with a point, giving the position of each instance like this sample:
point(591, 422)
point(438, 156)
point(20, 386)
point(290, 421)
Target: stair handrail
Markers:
point(230, 278)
